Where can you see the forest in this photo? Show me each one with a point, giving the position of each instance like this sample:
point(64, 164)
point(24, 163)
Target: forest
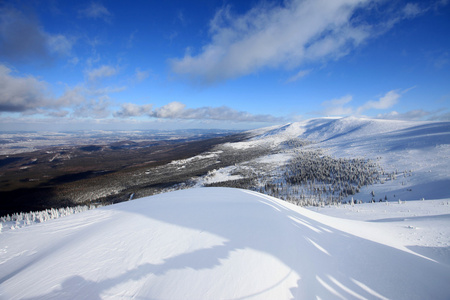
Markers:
point(309, 177)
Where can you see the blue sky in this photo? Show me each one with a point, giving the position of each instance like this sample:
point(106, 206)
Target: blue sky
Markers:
point(220, 64)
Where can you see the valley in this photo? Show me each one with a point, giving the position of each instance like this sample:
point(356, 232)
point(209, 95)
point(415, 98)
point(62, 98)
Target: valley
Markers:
point(104, 172)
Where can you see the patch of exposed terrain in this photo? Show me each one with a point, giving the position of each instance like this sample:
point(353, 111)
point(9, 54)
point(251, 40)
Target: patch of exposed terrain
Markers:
point(72, 175)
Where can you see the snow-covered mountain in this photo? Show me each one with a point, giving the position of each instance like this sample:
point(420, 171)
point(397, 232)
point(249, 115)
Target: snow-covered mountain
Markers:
point(420, 147)
point(219, 243)
point(223, 243)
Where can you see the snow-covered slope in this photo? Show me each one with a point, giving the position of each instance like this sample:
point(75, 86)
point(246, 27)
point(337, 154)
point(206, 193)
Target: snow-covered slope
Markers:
point(420, 147)
point(350, 132)
point(216, 243)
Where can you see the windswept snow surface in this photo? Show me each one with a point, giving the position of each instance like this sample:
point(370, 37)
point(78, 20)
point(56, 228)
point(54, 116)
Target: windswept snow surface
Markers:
point(215, 243)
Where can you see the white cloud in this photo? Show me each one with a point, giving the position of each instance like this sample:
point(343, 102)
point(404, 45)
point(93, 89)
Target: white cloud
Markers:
point(275, 36)
point(288, 35)
point(172, 110)
point(101, 72)
point(19, 94)
point(387, 101)
point(28, 95)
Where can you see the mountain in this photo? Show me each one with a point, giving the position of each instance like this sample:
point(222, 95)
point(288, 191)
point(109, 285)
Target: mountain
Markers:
point(417, 152)
point(216, 243)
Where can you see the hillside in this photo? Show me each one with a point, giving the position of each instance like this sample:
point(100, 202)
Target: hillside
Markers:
point(219, 243)
point(413, 158)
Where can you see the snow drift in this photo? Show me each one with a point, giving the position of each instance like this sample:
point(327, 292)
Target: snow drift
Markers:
point(213, 243)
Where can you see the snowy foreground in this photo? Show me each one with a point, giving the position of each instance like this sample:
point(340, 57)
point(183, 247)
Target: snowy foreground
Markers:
point(218, 243)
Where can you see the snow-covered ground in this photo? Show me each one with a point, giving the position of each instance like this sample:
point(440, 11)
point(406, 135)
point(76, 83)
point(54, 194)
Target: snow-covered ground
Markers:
point(422, 226)
point(219, 243)
point(420, 147)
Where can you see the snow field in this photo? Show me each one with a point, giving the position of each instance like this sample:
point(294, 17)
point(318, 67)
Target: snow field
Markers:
point(214, 243)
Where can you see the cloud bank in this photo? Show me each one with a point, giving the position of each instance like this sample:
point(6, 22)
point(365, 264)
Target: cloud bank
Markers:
point(29, 95)
point(19, 94)
point(177, 110)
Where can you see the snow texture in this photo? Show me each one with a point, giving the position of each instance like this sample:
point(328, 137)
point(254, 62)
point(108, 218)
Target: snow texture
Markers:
point(216, 243)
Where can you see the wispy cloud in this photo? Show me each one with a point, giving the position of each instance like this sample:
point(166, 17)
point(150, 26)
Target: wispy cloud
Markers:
point(72, 96)
point(298, 76)
point(101, 72)
point(141, 75)
point(93, 108)
point(96, 11)
point(412, 10)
